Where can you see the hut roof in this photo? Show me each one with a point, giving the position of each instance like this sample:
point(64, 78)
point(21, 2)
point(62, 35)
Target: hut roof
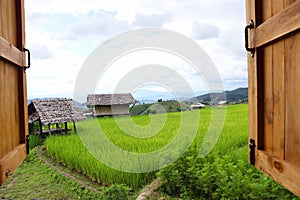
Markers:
point(198, 105)
point(222, 102)
point(109, 99)
point(53, 111)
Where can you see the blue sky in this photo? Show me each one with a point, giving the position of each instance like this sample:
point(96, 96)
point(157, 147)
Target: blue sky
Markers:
point(61, 34)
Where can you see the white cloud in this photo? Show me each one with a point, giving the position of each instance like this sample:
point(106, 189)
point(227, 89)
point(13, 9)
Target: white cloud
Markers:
point(147, 68)
point(62, 33)
point(97, 23)
point(153, 20)
point(202, 31)
point(41, 51)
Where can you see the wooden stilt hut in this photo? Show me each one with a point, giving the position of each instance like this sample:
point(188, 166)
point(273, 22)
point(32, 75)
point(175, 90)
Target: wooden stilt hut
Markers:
point(52, 113)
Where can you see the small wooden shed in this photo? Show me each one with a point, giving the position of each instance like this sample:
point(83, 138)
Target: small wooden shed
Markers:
point(273, 39)
point(54, 111)
point(109, 104)
point(13, 99)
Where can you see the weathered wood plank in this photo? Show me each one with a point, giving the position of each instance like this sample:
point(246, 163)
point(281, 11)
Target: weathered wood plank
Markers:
point(2, 119)
point(267, 82)
point(7, 106)
point(268, 98)
point(283, 172)
point(11, 19)
point(2, 108)
point(20, 24)
point(4, 15)
point(288, 2)
point(11, 161)
point(20, 36)
point(275, 71)
point(11, 53)
point(280, 25)
point(252, 83)
point(292, 71)
point(13, 105)
point(12, 84)
point(278, 90)
point(1, 17)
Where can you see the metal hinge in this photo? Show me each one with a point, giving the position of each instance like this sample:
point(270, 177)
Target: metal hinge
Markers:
point(28, 58)
point(8, 173)
point(247, 28)
point(27, 144)
point(252, 151)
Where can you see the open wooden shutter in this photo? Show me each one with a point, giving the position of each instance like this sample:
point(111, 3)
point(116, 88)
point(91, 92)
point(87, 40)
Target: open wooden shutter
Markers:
point(274, 89)
point(13, 99)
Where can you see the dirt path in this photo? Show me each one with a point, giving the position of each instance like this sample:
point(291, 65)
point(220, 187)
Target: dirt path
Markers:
point(144, 194)
point(148, 191)
point(82, 183)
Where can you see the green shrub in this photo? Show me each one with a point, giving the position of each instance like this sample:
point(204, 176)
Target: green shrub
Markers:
point(116, 192)
point(218, 177)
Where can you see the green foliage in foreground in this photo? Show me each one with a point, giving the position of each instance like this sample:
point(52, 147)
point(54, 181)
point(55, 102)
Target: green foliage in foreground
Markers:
point(116, 192)
point(218, 177)
point(224, 173)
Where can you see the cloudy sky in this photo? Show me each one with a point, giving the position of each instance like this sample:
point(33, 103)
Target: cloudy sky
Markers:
point(61, 34)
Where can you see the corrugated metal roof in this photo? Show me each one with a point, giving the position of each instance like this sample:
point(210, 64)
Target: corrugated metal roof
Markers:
point(53, 111)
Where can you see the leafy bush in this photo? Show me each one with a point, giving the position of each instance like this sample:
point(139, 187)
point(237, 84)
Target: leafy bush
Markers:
point(116, 192)
point(218, 177)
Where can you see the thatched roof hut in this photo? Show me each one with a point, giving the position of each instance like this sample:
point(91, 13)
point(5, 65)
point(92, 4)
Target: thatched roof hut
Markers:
point(109, 104)
point(109, 99)
point(54, 111)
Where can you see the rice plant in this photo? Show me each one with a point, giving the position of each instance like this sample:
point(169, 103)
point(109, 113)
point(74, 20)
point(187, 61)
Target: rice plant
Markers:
point(84, 151)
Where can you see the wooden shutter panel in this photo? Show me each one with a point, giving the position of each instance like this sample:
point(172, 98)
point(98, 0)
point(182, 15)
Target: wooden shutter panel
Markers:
point(274, 89)
point(13, 99)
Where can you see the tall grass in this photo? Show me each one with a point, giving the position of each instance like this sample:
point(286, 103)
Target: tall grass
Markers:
point(71, 151)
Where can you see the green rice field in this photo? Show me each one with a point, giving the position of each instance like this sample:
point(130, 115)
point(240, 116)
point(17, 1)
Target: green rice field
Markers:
point(185, 150)
point(71, 151)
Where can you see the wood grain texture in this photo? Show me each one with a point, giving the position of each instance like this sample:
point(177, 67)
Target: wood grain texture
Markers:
point(11, 53)
point(283, 23)
point(13, 104)
point(23, 115)
point(11, 161)
point(274, 79)
point(278, 90)
point(1, 17)
point(292, 61)
point(283, 172)
point(4, 16)
point(268, 83)
point(3, 144)
point(252, 83)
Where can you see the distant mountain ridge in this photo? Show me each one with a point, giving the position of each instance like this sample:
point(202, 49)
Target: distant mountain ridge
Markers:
point(239, 95)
